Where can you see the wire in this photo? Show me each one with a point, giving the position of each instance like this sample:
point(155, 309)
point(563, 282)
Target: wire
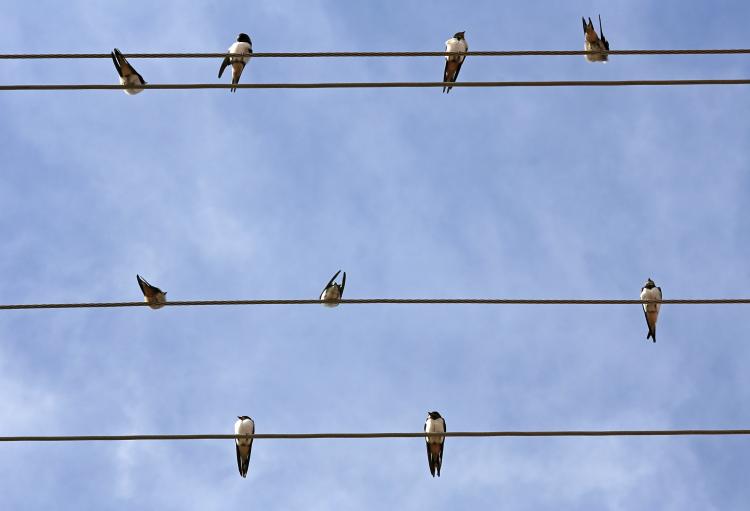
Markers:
point(371, 85)
point(399, 301)
point(502, 53)
point(308, 436)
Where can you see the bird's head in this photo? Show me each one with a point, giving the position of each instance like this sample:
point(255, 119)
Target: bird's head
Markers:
point(459, 35)
point(243, 417)
point(433, 415)
point(649, 284)
point(244, 38)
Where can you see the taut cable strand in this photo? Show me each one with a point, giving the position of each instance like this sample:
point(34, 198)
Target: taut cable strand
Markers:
point(379, 85)
point(390, 301)
point(310, 436)
point(367, 54)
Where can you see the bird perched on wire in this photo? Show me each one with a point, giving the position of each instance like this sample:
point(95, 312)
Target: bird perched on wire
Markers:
point(128, 75)
point(649, 291)
point(594, 42)
point(244, 426)
point(453, 63)
point(152, 295)
point(243, 46)
point(333, 292)
point(435, 444)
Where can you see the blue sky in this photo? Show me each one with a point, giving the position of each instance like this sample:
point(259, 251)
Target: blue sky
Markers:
point(580, 193)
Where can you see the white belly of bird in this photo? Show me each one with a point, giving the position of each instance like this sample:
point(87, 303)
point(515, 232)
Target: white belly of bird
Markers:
point(433, 426)
point(651, 294)
point(332, 294)
point(454, 45)
point(245, 427)
point(240, 47)
point(131, 80)
point(157, 301)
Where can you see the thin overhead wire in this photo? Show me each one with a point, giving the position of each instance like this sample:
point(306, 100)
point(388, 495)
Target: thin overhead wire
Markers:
point(310, 436)
point(367, 54)
point(390, 301)
point(374, 85)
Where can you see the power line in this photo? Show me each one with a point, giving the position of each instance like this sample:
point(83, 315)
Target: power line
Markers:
point(390, 301)
point(373, 85)
point(309, 436)
point(367, 54)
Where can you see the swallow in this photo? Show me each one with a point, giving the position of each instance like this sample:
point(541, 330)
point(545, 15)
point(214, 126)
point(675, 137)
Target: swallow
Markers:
point(650, 292)
point(333, 292)
point(435, 444)
point(453, 63)
point(128, 74)
point(244, 426)
point(593, 42)
point(244, 46)
point(152, 295)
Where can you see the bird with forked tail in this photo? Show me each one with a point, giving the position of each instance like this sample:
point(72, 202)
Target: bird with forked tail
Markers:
point(650, 292)
point(243, 46)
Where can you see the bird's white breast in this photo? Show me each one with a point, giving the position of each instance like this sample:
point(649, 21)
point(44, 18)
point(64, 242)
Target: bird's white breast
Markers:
point(332, 293)
point(159, 299)
point(131, 80)
point(454, 45)
point(244, 427)
point(240, 47)
point(651, 294)
point(434, 426)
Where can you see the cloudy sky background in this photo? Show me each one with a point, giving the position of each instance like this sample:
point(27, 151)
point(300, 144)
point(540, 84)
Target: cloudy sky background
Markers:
point(527, 193)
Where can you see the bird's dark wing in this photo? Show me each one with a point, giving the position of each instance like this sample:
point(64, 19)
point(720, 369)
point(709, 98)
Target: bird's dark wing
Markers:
point(584, 24)
point(145, 286)
point(442, 448)
point(330, 282)
point(224, 65)
point(439, 461)
point(239, 459)
point(645, 315)
point(117, 64)
point(430, 461)
point(601, 34)
point(142, 283)
point(125, 66)
point(458, 69)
